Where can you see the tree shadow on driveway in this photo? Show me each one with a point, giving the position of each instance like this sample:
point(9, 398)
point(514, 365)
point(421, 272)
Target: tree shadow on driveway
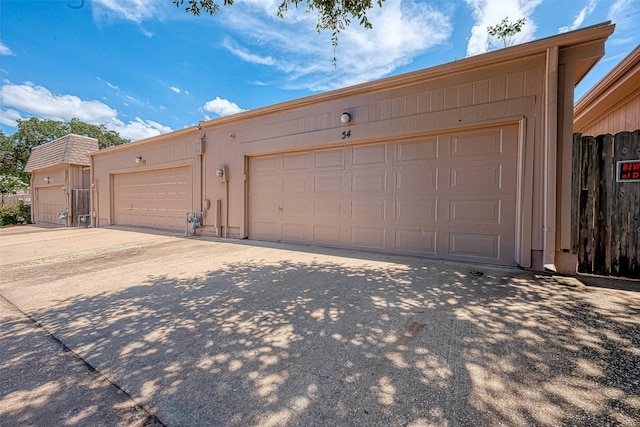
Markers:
point(373, 343)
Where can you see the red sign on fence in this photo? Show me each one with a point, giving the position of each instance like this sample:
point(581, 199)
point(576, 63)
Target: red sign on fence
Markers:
point(628, 171)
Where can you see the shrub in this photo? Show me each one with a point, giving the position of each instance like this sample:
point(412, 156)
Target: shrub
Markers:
point(15, 214)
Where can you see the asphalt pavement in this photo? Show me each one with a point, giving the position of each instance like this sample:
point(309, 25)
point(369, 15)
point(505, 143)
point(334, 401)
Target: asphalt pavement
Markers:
point(122, 327)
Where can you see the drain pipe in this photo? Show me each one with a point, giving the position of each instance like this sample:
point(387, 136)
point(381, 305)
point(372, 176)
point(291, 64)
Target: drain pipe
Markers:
point(226, 216)
point(550, 159)
point(223, 175)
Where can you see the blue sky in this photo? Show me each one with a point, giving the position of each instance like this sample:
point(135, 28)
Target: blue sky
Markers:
point(145, 67)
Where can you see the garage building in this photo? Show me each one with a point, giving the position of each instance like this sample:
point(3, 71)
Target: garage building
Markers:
point(60, 179)
point(469, 160)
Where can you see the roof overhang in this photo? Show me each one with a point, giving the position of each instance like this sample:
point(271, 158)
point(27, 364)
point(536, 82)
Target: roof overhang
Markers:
point(619, 85)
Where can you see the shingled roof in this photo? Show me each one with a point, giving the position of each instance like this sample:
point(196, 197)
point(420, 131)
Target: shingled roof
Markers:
point(70, 149)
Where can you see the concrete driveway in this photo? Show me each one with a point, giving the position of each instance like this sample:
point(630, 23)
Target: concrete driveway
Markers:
point(205, 332)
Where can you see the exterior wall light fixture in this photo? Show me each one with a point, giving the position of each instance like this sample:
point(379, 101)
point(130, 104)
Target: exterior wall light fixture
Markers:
point(46, 179)
point(345, 118)
point(140, 161)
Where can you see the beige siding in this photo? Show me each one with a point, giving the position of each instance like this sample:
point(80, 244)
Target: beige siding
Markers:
point(625, 117)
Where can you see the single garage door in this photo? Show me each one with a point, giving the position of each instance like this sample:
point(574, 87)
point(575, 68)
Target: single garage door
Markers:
point(449, 196)
point(157, 198)
point(51, 200)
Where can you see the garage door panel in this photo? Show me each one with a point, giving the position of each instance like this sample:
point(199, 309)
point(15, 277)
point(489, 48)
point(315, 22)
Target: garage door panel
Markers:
point(267, 207)
point(329, 158)
point(328, 209)
point(420, 241)
point(295, 208)
point(477, 144)
point(475, 245)
point(328, 184)
point(295, 162)
point(157, 198)
point(413, 151)
point(417, 180)
point(269, 185)
point(267, 230)
point(486, 212)
point(476, 178)
point(369, 210)
point(295, 232)
point(368, 237)
point(369, 181)
point(449, 196)
point(374, 154)
point(265, 164)
point(414, 211)
point(328, 234)
point(296, 184)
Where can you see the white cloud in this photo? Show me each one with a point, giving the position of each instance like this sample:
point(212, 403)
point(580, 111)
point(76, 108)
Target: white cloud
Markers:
point(129, 10)
point(39, 100)
point(4, 49)
point(138, 129)
point(247, 56)
point(292, 47)
point(625, 14)
point(32, 100)
point(222, 107)
point(112, 86)
point(175, 89)
point(579, 19)
point(491, 12)
point(9, 117)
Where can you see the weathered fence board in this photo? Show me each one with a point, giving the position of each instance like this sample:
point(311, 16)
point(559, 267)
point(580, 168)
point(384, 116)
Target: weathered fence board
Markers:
point(79, 204)
point(606, 229)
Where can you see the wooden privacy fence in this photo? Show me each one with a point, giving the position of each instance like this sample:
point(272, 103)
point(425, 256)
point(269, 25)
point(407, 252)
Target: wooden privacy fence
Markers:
point(79, 204)
point(606, 204)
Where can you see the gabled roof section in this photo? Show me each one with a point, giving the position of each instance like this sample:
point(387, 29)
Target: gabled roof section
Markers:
point(618, 86)
point(70, 149)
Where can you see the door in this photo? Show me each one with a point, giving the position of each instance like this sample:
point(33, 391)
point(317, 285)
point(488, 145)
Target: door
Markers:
point(157, 199)
point(449, 196)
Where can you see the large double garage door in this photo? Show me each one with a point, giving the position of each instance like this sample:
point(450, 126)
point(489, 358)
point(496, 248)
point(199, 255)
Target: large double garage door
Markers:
point(449, 196)
point(157, 198)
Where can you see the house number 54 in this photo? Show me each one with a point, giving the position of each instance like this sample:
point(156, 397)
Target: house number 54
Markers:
point(346, 134)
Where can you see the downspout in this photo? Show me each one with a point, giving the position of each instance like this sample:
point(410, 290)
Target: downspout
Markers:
point(226, 216)
point(550, 158)
point(200, 152)
point(34, 194)
point(93, 200)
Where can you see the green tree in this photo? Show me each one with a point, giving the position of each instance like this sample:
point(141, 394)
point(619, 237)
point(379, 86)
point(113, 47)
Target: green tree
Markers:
point(10, 184)
point(333, 15)
point(505, 30)
point(16, 149)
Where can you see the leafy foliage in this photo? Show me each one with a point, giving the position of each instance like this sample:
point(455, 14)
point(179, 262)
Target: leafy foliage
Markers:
point(505, 30)
point(15, 149)
point(333, 15)
point(15, 214)
point(10, 184)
